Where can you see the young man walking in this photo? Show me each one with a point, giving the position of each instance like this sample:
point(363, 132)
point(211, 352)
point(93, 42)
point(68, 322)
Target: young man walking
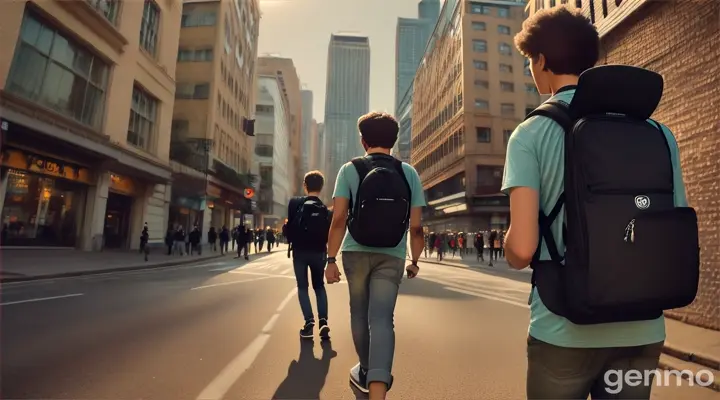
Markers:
point(568, 360)
point(374, 247)
point(308, 224)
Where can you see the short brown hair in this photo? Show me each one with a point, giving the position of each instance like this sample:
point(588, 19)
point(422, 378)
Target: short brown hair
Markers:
point(567, 39)
point(314, 181)
point(378, 129)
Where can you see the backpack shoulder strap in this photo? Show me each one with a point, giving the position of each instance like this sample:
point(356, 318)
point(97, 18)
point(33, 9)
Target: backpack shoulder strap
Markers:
point(363, 166)
point(556, 110)
point(400, 170)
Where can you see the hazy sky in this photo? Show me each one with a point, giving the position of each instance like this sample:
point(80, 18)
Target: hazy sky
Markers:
point(300, 29)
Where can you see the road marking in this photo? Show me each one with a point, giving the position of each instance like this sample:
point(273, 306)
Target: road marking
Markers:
point(500, 299)
point(230, 283)
point(262, 274)
point(218, 388)
point(9, 303)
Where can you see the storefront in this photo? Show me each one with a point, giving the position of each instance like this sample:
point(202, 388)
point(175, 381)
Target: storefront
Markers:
point(118, 226)
point(43, 198)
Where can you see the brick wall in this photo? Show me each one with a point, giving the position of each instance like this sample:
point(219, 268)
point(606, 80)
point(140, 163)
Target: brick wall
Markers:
point(681, 40)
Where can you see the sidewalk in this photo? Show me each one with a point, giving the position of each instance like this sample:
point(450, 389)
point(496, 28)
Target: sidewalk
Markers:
point(687, 347)
point(30, 264)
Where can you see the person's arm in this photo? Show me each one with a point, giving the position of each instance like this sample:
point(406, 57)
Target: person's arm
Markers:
point(341, 203)
point(417, 239)
point(521, 180)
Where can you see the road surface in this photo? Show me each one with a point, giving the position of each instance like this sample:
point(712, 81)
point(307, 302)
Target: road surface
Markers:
point(229, 330)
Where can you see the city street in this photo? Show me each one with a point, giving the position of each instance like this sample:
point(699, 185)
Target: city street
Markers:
point(229, 330)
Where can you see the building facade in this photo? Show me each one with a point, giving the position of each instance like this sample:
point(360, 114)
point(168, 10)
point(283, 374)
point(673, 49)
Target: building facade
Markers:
point(411, 37)
point(667, 37)
point(272, 150)
point(470, 92)
point(86, 99)
point(314, 147)
point(212, 146)
point(306, 98)
point(347, 98)
point(284, 70)
point(403, 146)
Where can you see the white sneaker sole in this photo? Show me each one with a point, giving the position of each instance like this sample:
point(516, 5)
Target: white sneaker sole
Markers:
point(360, 388)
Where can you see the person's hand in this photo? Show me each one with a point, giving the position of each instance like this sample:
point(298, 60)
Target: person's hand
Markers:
point(412, 270)
point(332, 273)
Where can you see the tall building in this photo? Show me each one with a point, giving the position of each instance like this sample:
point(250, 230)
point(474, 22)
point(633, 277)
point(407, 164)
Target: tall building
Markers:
point(347, 98)
point(284, 70)
point(86, 95)
point(314, 146)
point(307, 121)
point(211, 128)
point(411, 37)
point(470, 92)
point(322, 152)
point(667, 37)
point(272, 150)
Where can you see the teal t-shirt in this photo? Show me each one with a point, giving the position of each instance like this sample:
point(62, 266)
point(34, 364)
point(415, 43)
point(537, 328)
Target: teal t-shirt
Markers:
point(348, 181)
point(535, 159)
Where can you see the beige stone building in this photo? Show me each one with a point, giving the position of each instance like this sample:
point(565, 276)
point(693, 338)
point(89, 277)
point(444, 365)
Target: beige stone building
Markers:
point(470, 92)
point(86, 98)
point(213, 123)
point(284, 70)
point(681, 41)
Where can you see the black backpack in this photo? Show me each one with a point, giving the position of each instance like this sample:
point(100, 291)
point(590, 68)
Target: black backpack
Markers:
point(630, 253)
point(381, 215)
point(310, 224)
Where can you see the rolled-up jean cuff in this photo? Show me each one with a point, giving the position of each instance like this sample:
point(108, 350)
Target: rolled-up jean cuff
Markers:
point(379, 375)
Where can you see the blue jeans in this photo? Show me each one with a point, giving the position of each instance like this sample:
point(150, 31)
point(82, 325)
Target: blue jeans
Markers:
point(316, 262)
point(374, 280)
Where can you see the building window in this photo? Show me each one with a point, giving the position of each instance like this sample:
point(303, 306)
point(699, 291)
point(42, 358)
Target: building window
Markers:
point(505, 49)
point(503, 12)
point(142, 119)
point(526, 68)
point(108, 8)
point(201, 55)
point(56, 72)
point(192, 18)
point(150, 26)
point(488, 179)
point(478, 26)
point(479, 45)
point(481, 104)
point(479, 9)
point(482, 83)
point(180, 127)
point(531, 88)
point(507, 109)
point(484, 135)
point(481, 65)
point(506, 68)
point(507, 86)
point(552, 3)
point(503, 29)
point(192, 91)
point(506, 135)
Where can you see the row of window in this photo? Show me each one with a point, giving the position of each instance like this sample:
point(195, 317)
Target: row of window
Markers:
point(451, 149)
point(195, 55)
point(482, 26)
point(484, 134)
point(193, 16)
point(506, 109)
point(506, 86)
point(233, 85)
point(480, 46)
point(500, 11)
point(54, 71)
point(228, 149)
point(483, 66)
point(192, 91)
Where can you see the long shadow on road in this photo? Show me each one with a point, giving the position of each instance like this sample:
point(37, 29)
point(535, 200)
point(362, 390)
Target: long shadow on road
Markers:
point(426, 288)
point(306, 375)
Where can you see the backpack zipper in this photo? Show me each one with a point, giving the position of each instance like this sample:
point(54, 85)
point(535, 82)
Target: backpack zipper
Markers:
point(630, 232)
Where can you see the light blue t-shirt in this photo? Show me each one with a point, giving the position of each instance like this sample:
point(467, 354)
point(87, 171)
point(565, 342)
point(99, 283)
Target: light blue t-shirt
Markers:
point(348, 181)
point(535, 159)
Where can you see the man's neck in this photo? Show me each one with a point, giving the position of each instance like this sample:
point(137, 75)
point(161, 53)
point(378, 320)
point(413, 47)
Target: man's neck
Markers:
point(560, 81)
point(375, 150)
point(313, 194)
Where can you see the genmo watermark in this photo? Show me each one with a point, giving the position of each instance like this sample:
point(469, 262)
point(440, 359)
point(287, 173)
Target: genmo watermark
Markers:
point(616, 380)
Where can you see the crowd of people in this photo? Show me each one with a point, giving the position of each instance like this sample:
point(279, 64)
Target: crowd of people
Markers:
point(463, 244)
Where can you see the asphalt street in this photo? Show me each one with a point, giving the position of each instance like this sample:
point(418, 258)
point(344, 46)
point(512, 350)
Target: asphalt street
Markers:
point(229, 330)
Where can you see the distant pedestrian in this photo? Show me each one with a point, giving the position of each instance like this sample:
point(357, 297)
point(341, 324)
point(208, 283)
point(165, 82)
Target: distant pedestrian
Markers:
point(195, 238)
point(374, 247)
point(307, 233)
point(241, 240)
point(144, 239)
point(212, 238)
point(224, 239)
point(179, 240)
point(169, 240)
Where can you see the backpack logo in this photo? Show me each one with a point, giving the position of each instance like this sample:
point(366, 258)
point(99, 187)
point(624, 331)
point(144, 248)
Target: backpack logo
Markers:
point(642, 202)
